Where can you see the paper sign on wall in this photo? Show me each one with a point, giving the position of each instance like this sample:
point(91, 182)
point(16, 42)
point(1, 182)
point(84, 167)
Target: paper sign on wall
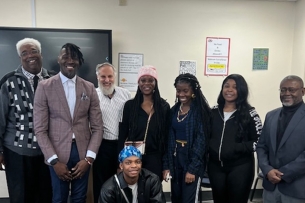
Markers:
point(129, 65)
point(217, 56)
point(187, 67)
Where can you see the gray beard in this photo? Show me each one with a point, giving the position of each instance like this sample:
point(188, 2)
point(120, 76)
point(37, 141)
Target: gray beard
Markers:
point(105, 91)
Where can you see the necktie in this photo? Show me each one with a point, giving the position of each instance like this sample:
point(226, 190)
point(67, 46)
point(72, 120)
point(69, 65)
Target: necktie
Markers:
point(35, 79)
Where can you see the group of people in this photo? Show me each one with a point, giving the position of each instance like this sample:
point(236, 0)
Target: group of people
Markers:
point(55, 127)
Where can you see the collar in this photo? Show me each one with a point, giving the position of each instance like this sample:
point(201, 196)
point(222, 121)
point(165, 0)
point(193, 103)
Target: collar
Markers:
point(123, 183)
point(30, 75)
point(65, 79)
point(292, 108)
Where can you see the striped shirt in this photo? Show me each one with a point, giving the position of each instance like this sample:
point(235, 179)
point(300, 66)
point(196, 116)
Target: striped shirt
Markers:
point(112, 111)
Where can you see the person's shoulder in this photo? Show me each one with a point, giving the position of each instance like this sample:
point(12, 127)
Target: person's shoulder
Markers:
point(129, 102)
point(215, 108)
point(147, 173)
point(122, 91)
point(274, 111)
point(164, 103)
point(84, 82)
point(6, 77)
point(176, 105)
point(252, 111)
point(109, 184)
point(49, 81)
point(109, 188)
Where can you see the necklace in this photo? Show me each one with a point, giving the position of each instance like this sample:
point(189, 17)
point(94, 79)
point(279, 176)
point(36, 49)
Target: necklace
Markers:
point(182, 113)
point(180, 120)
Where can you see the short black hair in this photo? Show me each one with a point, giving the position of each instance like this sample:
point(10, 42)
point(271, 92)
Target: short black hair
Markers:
point(74, 51)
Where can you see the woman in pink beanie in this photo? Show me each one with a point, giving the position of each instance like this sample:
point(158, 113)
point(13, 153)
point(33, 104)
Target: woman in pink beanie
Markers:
point(147, 114)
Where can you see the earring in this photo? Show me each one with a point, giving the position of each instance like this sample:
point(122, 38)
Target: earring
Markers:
point(193, 96)
point(154, 91)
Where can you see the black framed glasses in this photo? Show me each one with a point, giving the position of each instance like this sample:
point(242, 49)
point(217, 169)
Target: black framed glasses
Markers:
point(289, 89)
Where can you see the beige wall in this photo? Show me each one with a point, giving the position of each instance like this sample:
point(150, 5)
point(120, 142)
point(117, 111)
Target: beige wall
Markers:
point(167, 31)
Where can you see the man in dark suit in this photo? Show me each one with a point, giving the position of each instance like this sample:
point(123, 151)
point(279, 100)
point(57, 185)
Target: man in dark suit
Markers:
point(68, 126)
point(281, 147)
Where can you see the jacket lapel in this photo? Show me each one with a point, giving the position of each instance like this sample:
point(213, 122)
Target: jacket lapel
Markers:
point(297, 117)
point(79, 91)
point(273, 130)
point(61, 94)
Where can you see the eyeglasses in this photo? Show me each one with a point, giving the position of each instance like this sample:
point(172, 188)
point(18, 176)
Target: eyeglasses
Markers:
point(289, 89)
point(25, 53)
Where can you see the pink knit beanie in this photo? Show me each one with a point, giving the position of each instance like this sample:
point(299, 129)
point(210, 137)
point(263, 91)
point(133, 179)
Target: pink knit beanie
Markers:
point(148, 70)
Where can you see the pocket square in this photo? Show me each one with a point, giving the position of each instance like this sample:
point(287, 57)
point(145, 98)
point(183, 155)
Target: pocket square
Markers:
point(84, 96)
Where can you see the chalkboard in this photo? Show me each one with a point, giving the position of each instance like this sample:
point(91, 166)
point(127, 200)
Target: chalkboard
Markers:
point(96, 46)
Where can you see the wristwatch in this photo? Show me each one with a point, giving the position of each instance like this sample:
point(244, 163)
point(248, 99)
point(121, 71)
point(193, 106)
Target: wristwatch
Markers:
point(54, 161)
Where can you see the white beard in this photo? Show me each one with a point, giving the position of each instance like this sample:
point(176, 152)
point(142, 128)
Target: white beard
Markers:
point(106, 91)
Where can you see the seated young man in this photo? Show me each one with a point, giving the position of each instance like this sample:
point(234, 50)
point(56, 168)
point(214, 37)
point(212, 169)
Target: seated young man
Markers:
point(134, 184)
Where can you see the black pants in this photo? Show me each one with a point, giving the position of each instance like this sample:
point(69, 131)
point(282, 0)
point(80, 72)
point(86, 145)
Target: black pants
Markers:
point(182, 192)
point(105, 165)
point(28, 178)
point(153, 163)
point(231, 184)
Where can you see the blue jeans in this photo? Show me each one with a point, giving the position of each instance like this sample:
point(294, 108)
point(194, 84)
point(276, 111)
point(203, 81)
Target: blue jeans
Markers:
point(78, 186)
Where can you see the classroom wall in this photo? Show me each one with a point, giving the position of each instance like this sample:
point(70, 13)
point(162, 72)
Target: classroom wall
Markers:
point(298, 53)
point(167, 31)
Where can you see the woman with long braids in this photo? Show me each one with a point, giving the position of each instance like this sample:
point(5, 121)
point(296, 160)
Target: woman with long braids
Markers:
point(235, 132)
point(146, 116)
point(185, 161)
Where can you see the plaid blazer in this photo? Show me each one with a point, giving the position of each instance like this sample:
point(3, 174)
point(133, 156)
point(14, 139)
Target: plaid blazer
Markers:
point(54, 126)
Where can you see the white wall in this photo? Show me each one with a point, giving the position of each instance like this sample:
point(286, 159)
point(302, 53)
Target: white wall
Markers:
point(298, 57)
point(167, 31)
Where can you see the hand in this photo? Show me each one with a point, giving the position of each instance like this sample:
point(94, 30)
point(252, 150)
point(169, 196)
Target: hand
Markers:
point(274, 176)
point(189, 178)
point(62, 171)
point(165, 176)
point(80, 168)
point(2, 163)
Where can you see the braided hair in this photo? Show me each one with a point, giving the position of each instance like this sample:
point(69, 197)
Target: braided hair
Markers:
point(74, 51)
point(201, 104)
point(241, 102)
point(158, 111)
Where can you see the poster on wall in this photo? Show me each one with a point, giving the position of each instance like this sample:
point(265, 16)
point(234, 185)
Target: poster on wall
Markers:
point(129, 65)
point(217, 53)
point(187, 67)
point(260, 59)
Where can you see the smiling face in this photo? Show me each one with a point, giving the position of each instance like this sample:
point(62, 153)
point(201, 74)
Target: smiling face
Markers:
point(147, 84)
point(184, 92)
point(291, 92)
point(31, 58)
point(229, 91)
point(131, 168)
point(106, 79)
point(68, 64)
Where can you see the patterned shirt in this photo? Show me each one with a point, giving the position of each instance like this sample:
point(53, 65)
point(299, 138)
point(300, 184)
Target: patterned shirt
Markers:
point(112, 111)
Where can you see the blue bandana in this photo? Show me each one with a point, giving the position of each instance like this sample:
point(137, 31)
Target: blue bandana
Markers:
point(128, 152)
